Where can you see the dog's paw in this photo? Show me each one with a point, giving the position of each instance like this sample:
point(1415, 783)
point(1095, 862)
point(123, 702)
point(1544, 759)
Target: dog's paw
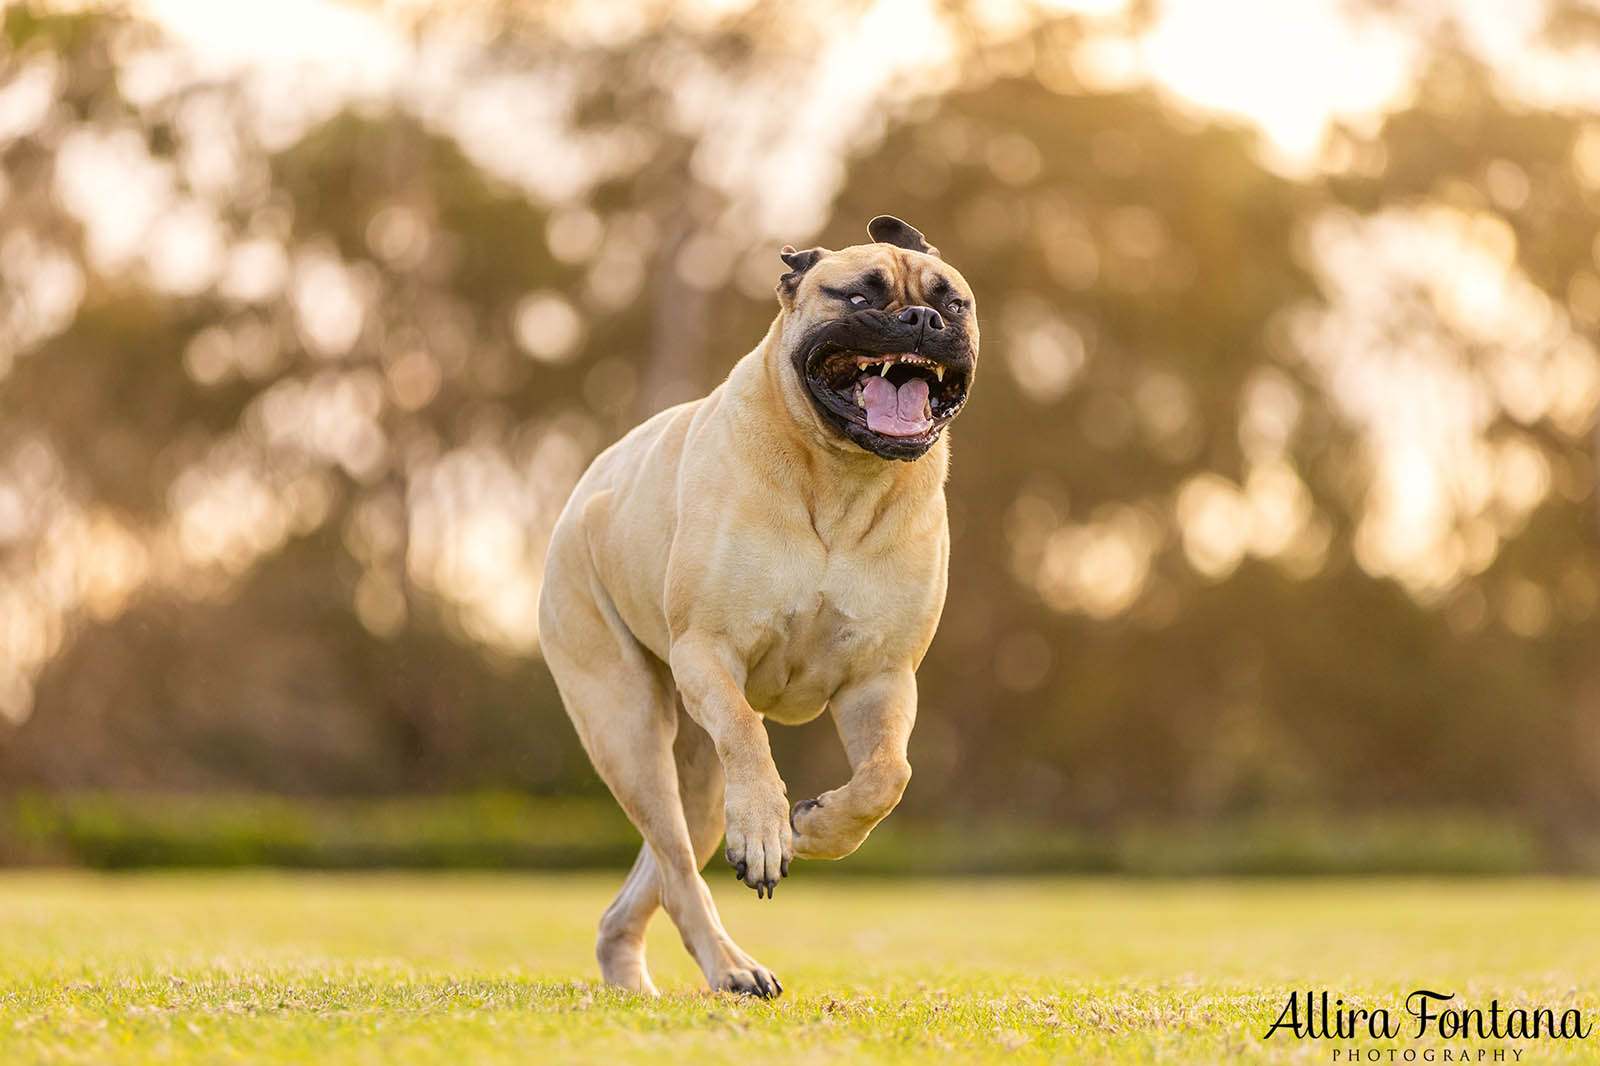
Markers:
point(760, 842)
point(753, 980)
point(820, 833)
point(728, 968)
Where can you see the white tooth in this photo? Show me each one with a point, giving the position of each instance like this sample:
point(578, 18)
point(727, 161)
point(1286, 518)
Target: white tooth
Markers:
point(887, 363)
point(938, 372)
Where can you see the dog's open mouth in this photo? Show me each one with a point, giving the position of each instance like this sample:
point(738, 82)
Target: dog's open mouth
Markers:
point(901, 399)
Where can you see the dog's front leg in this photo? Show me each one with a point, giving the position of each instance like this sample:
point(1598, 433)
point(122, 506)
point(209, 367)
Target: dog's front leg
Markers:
point(874, 719)
point(754, 802)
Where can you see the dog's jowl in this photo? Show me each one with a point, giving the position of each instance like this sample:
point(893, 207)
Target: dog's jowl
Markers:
point(773, 550)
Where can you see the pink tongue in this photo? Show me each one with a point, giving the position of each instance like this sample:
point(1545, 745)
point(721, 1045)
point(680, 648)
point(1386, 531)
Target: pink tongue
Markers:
point(896, 412)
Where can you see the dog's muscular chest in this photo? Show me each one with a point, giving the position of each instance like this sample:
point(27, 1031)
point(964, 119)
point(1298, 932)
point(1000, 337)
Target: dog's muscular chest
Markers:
point(834, 624)
point(806, 657)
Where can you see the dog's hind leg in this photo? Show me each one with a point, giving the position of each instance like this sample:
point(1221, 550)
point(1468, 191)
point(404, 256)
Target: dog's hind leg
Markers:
point(622, 703)
point(620, 946)
point(621, 700)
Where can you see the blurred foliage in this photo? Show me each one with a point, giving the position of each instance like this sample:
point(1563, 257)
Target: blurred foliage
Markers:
point(119, 830)
point(1279, 684)
point(275, 522)
point(108, 831)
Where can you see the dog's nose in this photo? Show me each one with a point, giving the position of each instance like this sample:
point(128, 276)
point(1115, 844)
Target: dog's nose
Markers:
point(924, 318)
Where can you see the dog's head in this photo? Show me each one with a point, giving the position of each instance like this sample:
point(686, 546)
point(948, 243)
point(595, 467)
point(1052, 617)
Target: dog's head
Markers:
point(882, 339)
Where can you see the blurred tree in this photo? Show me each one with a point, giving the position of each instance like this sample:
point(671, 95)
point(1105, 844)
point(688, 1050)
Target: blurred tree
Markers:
point(1175, 495)
point(276, 469)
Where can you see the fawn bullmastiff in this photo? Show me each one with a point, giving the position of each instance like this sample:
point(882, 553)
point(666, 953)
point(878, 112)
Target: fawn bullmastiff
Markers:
point(773, 550)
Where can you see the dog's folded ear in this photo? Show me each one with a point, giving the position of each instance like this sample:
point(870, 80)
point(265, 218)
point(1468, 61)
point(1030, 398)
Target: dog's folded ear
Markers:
point(886, 229)
point(798, 263)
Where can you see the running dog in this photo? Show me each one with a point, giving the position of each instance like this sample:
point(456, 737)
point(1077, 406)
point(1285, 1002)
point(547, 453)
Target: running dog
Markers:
point(773, 550)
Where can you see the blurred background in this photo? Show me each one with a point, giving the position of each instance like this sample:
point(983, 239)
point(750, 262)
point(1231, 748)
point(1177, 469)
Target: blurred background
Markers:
point(1274, 512)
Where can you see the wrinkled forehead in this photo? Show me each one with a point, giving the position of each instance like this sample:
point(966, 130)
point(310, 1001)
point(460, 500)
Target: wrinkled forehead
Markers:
point(910, 277)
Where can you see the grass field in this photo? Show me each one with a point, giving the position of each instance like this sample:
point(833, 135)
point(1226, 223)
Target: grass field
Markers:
point(388, 969)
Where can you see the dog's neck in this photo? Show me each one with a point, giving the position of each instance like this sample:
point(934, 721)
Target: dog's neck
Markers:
point(839, 483)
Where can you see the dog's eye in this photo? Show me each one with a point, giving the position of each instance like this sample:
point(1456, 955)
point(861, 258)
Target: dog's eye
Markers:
point(857, 300)
point(956, 307)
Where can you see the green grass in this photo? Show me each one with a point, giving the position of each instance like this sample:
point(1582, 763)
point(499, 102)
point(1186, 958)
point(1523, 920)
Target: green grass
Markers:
point(483, 968)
